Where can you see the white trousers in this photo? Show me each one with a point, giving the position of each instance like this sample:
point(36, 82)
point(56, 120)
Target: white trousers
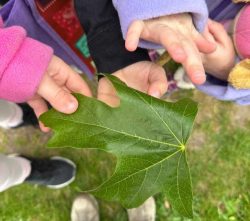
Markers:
point(11, 115)
point(13, 171)
point(5, 110)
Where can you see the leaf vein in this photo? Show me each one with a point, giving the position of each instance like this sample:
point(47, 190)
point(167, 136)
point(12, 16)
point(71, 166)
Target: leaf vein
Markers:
point(120, 132)
point(164, 122)
point(131, 175)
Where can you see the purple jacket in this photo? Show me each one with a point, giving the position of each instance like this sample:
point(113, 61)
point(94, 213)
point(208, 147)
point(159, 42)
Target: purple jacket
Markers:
point(130, 10)
point(24, 13)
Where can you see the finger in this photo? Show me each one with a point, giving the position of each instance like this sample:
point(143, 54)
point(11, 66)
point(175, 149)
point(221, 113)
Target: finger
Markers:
point(218, 31)
point(193, 64)
point(208, 35)
point(158, 83)
point(60, 99)
point(107, 93)
point(39, 106)
point(133, 36)
point(172, 42)
point(203, 44)
point(73, 81)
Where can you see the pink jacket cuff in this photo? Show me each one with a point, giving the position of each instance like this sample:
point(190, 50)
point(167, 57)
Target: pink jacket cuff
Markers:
point(24, 71)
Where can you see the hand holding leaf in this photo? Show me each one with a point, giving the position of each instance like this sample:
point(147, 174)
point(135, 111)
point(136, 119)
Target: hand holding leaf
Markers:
point(147, 136)
point(144, 76)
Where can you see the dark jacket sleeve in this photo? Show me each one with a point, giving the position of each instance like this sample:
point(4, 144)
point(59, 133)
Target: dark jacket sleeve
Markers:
point(107, 47)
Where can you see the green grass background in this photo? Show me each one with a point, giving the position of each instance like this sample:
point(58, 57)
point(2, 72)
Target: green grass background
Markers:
point(218, 154)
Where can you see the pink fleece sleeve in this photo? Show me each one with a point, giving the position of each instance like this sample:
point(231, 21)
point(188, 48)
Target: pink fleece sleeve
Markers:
point(23, 61)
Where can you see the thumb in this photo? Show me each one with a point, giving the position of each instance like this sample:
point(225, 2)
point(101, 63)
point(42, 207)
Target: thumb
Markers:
point(204, 43)
point(59, 98)
point(158, 83)
point(208, 35)
point(156, 90)
point(218, 31)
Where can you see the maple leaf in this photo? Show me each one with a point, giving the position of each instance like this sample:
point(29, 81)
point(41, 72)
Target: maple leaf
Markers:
point(147, 135)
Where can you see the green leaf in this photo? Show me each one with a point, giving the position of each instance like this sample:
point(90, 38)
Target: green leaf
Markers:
point(148, 138)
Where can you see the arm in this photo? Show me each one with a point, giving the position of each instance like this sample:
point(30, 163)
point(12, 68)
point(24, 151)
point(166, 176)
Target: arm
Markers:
point(30, 73)
point(223, 91)
point(168, 24)
point(107, 47)
point(219, 64)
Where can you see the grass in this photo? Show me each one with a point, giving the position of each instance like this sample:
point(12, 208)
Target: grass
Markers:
point(219, 159)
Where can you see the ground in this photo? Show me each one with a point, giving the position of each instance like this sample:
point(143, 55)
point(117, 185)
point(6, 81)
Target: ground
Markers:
point(218, 154)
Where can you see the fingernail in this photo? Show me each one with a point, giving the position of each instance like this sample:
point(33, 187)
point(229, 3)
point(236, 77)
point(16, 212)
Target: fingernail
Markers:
point(132, 45)
point(156, 94)
point(71, 106)
point(200, 77)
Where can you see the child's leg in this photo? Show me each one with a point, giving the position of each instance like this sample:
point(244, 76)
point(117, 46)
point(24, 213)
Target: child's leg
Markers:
point(85, 207)
point(16, 115)
point(11, 115)
point(13, 171)
point(54, 172)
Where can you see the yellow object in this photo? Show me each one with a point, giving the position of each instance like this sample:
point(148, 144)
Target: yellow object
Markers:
point(239, 77)
point(164, 59)
point(237, 1)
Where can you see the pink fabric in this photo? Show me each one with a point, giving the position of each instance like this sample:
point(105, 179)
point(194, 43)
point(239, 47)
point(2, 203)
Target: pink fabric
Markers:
point(242, 32)
point(23, 61)
point(1, 22)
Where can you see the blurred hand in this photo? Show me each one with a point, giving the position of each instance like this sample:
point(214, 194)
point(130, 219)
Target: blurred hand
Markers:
point(222, 60)
point(56, 87)
point(144, 76)
point(177, 34)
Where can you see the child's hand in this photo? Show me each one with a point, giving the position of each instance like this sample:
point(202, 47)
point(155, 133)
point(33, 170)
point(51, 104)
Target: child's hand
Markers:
point(222, 60)
point(56, 86)
point(180, 38)
point(144, 76)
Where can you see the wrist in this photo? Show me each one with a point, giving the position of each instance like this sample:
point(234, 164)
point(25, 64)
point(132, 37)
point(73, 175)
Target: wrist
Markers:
point(221, 73)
